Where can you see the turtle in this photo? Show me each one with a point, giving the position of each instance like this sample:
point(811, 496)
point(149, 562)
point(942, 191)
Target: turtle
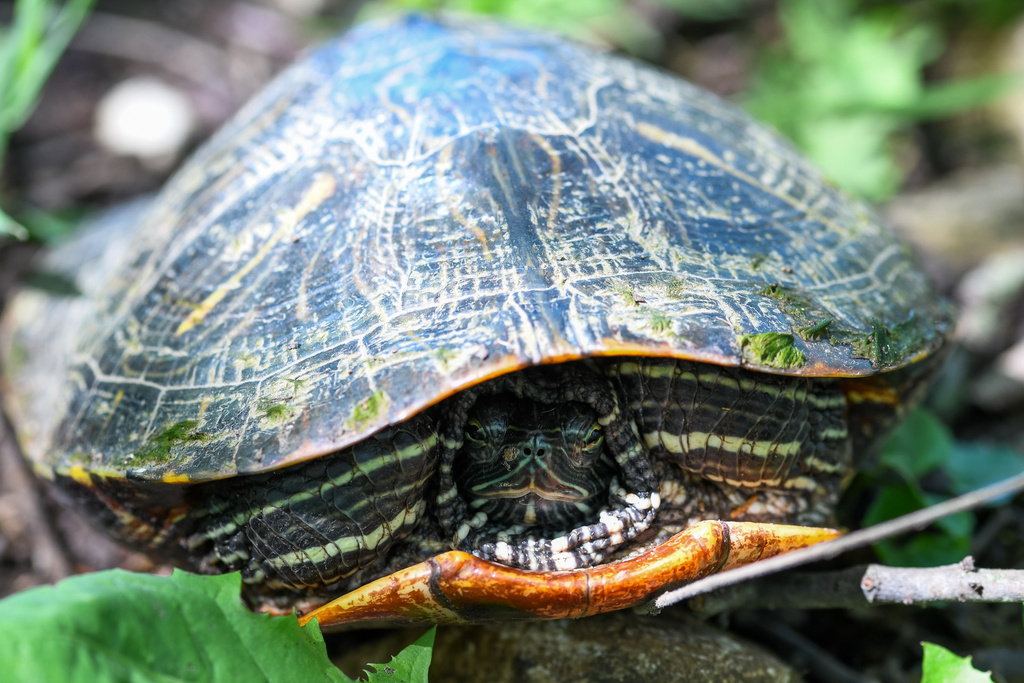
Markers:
point(454, 308)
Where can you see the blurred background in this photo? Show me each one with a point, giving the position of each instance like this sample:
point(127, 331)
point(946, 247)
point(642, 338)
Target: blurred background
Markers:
point(915, 106)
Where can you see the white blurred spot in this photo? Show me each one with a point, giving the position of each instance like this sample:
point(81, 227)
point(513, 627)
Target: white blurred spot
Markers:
point(301, 8)
point(146, 118)
point(1012, 362)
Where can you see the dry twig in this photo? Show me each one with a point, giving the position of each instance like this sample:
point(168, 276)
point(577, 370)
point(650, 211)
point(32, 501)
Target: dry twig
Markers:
point(830, 549)
point(864, 584)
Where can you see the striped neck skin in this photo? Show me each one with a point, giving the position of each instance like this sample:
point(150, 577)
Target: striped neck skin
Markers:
point(526, 465)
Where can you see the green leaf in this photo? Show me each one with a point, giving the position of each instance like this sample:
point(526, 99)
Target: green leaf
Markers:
point(53, 283)
point(854, 152)
point(945, 99)
point(918, 446)
point(119, 626)
point(408, 666)
point(923, 445)
point(948, 541)
point(49, 226)
point(974, 465)
point(958, 526)
point(942, 666)
point(924, 550)
point(892, 502)
point(37, 38)
point(9, 226)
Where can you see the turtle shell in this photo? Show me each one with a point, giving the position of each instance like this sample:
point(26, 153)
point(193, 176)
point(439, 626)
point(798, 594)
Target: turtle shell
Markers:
point(424, 204)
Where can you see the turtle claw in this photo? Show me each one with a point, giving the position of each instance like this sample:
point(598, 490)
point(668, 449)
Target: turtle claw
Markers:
point(456, 587)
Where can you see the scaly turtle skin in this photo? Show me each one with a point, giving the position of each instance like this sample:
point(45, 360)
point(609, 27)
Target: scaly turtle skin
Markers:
point(447, 284)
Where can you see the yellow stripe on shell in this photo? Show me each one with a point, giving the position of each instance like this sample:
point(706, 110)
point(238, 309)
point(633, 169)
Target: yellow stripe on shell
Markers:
point(78, 473)
point(323, 187)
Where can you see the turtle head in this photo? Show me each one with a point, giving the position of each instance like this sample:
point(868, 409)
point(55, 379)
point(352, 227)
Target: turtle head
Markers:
point(524, 463)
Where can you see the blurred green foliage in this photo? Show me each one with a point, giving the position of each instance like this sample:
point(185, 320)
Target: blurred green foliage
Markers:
point(923, 449)
point(586, 20)
point(618, 22)
point(29, 49)
point(986, 13)
point(573, 17)
point(847, 78)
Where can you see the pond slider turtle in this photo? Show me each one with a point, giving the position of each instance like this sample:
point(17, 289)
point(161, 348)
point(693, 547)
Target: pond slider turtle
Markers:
point(469, 316)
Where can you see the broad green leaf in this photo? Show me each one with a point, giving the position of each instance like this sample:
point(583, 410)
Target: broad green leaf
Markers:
point(122, 626)
point(408, 666)
point(974, 465)
point(942, 666)
point(924, 550)
point(918, 446)
point(948, 541)
point(891, 502)
point(958, 526)
point(923, 445)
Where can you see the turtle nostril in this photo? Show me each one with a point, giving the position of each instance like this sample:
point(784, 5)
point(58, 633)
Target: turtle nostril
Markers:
point(527, 451)
point(540, 451)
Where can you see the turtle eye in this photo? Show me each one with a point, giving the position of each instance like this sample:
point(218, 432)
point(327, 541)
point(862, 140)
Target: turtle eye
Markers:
point(588, 448)
point(475, 432)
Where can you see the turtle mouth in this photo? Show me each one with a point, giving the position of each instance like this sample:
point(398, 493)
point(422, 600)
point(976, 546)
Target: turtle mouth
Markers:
point(550, 504)
point(534, 509)
point(550, 490)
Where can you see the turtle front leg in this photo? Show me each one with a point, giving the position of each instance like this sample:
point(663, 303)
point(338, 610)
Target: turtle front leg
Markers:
point(583, 546)
point(456, 587)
